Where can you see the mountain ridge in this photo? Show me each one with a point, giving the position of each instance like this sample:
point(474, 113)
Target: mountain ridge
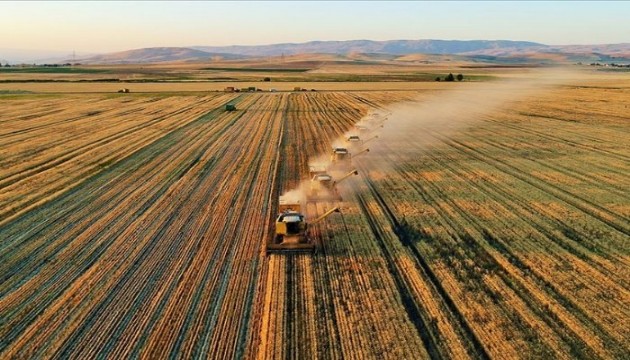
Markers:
point(158, 54)
point(474, 49)
point(396, 47)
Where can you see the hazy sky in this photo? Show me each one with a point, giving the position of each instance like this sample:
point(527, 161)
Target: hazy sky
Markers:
point(112, 26)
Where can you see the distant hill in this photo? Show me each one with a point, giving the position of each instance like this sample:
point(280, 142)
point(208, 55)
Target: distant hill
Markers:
point(559, 53)
point(395, 47)
point(156, 55)
point(494, 51)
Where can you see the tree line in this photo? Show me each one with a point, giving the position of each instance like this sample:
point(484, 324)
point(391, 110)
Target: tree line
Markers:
point(451, 77)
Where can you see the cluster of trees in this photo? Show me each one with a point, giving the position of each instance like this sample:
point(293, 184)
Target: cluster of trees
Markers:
point(451, 77)
point(610, 64)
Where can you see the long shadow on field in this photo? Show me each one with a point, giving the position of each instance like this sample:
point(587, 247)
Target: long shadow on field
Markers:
point(409, 236)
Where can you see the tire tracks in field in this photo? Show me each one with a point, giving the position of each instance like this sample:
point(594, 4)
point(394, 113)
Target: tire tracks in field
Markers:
point(414, 310)
point(442, 160)
point(479, 252)
point(568, 142)
point(613, 220)
point(573, 173)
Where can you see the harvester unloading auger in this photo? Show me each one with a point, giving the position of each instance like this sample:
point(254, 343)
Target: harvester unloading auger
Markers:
point(364, 151)
point(291, 228)
point(370, 139)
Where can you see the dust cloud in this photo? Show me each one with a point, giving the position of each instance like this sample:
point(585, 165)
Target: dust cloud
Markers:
point(409, 128)
point(404, 131)
point(297, 195)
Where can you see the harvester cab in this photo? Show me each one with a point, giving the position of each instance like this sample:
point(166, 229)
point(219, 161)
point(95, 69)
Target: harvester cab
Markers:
point(291, 228)
point(367, 130)
point(340, 155)
point(375, 121)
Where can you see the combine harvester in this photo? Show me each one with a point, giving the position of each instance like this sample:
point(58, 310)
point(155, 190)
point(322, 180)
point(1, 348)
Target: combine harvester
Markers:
point(324, 188)
point(291, 230)
point(361, 129)
point(340, 155)
point(317, 169)
point(371, 123)
point(355, 140)
point(341, 158)
point(364, 129)
point(291, 226)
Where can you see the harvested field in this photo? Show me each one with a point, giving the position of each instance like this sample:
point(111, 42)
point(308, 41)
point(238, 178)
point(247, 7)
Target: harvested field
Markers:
point(135, 226)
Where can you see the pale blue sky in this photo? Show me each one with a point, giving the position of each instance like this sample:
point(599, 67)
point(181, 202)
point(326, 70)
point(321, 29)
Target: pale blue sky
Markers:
point(111, 26)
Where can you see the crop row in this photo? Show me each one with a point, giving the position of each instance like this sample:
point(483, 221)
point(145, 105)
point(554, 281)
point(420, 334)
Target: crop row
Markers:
point(46, 156)
point(468, 207)
point(154, 259)
point(136, 227)
point(339, 302)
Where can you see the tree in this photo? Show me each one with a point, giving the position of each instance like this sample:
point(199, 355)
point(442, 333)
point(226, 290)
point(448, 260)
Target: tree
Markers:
point(460, 77)
point(267, 79)
point(449, 77)
point(438, 79)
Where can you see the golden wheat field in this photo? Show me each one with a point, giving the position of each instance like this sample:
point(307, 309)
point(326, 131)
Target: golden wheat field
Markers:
point(480, 226)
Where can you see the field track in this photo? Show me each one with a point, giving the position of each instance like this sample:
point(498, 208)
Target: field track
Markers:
point(134, 226)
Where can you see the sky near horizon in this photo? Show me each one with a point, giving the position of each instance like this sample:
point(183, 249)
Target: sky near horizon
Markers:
point(107, 26)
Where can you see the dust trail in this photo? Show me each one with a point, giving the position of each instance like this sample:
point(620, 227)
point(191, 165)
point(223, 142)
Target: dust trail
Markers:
point(409, 128)
point(403, 131)
point(297, 195)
